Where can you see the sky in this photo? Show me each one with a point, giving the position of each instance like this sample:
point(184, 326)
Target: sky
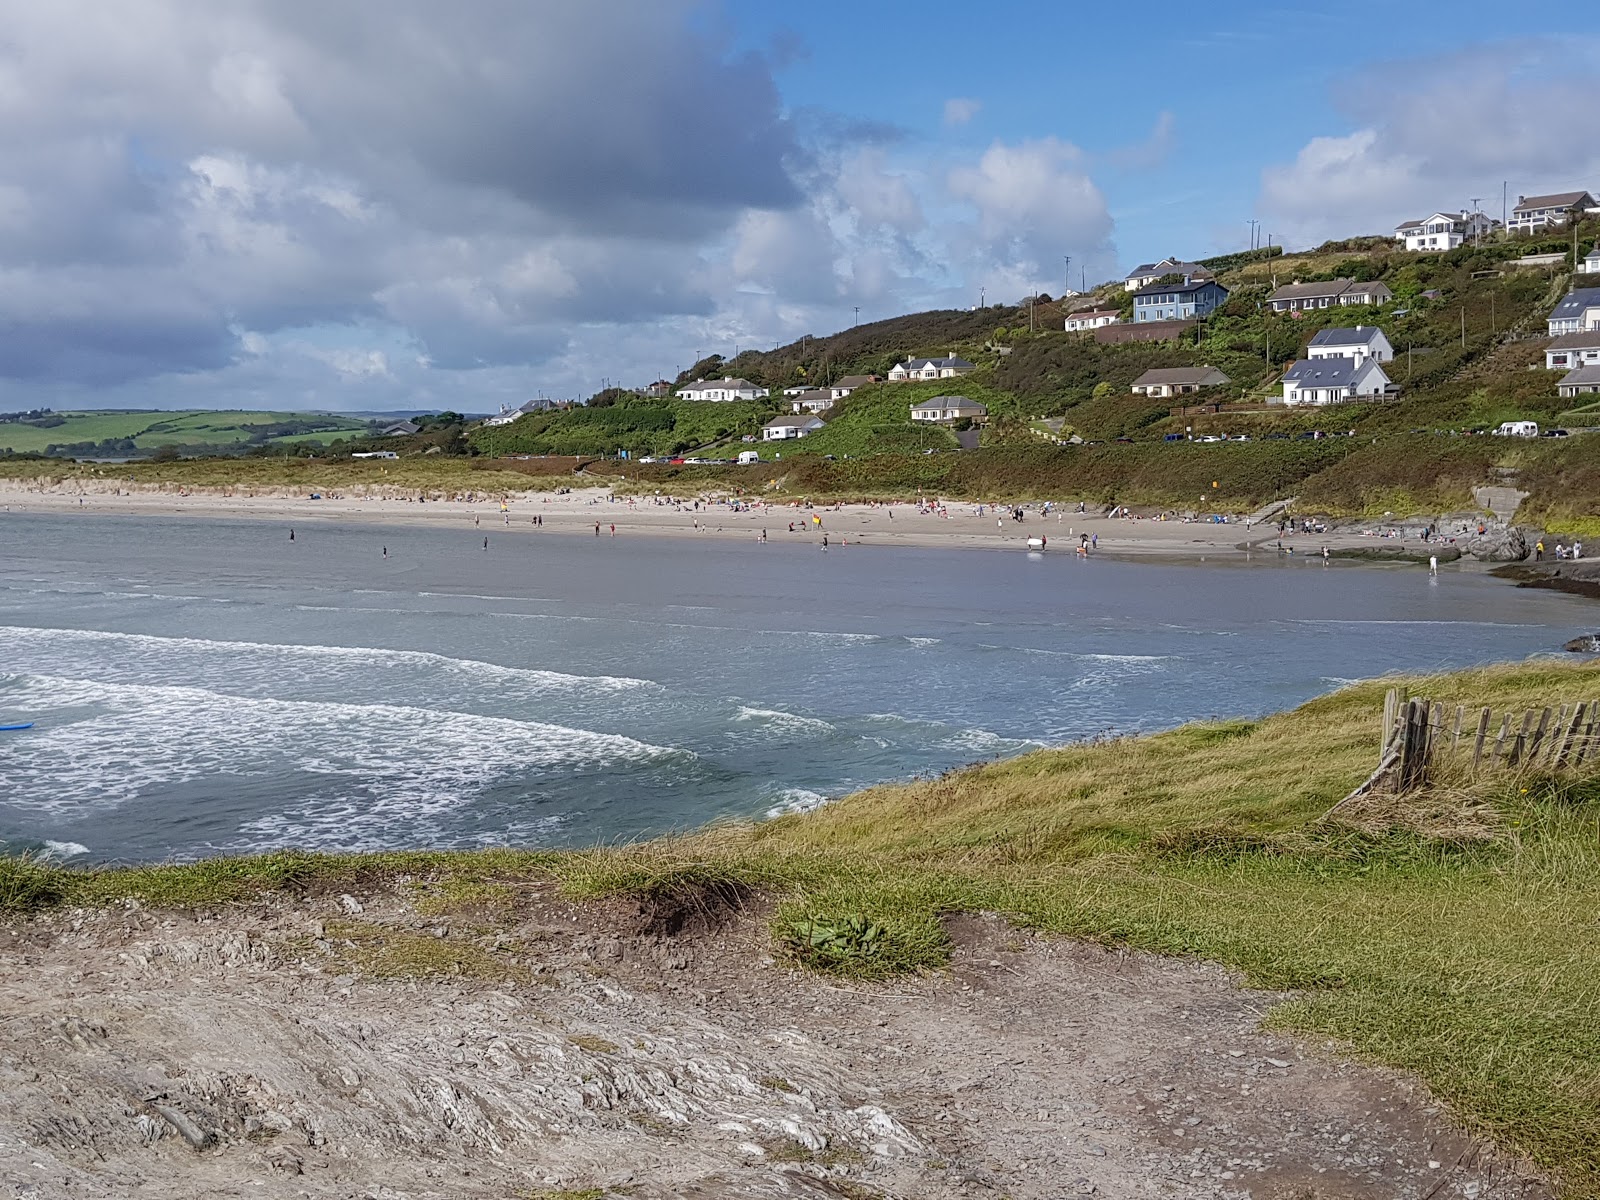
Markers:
point(400, 204)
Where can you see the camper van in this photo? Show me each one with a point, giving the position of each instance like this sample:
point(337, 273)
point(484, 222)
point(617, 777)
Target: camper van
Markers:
point(1518, 429)
point(746, 457)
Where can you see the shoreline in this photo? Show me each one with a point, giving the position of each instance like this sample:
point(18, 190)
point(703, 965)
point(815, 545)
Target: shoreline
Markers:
point(954, 525)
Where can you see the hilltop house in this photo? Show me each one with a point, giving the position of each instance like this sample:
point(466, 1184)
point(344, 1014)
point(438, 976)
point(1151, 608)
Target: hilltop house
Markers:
point(781, 429)
point(1578, 312)
point(401, 429)
point(1542, 212)
point(948, 408)
point(815, 401)
point(1147, 273)
point(722, 391)
point(1162, 382)
point(1093, 318)
point(1333, 381)
point(1364, 341)
point(1583, 381)
point(659, 390)
point(948, 367)
point(1444, 231)
point(842, 387)
point(1193, 298)
point(1300, 297)
point(1591, 261)
point(1573, 350)
point(507, 415)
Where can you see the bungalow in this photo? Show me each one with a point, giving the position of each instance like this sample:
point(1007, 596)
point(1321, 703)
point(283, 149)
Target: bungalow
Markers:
point(1147, 273)
point(659, 390)
point(507, 415)
point(1583, 381)
point(1177, 381)
point(948, 408)
point(781, 429)
point(815, 401)
point(840, 388)
point(1301, 297)
point(797, 390)
point(1178, 301)
point(931, 368)
point(722, 391)
point(1444, 231)
point(401, 429)
point(1333, 381)
point(1573, 350)
point(1364, 341)
point(1094, 318)
point(1578, 312)
point(1591, 261)
point(1542, 212)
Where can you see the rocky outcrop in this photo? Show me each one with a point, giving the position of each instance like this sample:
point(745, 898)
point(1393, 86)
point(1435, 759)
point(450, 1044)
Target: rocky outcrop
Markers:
point(1589, 643)
point(1499, 545)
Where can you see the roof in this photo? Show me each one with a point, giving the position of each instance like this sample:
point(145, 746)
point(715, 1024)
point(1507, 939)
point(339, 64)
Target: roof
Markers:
point(1162, 289)
point(1198, 376)
point(1576, 341)
point(724, 384)
point(854, 381)
point(815, 394)
point(1371, 287)
point(1361, 335)
point(942, 402)
point(1168, 266)
point(803, 421)
point(912, 364)
point(1087, 314)
point(1559, 200)
point(1325, 372)
point(1574, 303)
point(408, 426)
point(1304, 291)
point(1581, 375)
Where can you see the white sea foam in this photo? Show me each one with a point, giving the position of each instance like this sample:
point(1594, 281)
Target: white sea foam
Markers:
point(786, 722)
point(796, 800)
point(478, 669)
point(923, 641)
point(64, 849)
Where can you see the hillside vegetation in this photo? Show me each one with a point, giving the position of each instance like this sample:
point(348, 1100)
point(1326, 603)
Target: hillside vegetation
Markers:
point(115, 433)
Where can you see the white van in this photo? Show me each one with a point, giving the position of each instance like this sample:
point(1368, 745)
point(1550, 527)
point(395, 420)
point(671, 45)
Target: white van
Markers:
point(746, 457)
point(1518, 429)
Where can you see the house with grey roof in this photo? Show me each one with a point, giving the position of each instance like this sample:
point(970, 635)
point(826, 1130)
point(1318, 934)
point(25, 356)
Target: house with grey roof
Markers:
point(814, 401)
point(1329, 293)
point(1543, 212)
point(1147, 273)
point(1444, 230)
point(843, 386)
point(1573, 350)
point(1163, 382)
point(1319, 381)
point(1578, 312)
point(781, 429)
point(1189, 300)
point(1584, 381)
point(1591, 261)
point(1364, 341)
point(722, 391)
point(948, 367)
point(401, 429)
point(943, 409)
point(1086, 320)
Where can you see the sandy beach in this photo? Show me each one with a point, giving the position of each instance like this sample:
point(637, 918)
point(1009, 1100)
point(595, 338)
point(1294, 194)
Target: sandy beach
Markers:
point(957, 524)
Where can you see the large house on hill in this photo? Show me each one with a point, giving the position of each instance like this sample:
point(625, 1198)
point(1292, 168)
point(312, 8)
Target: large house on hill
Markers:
point(1582, 382)
point(1444, 230)
point(947, 367)
point(1189, 300)
point(1533, 213)
point(722, 391)
point(948, 408)
point(1572, 350)
point(844, 385)
point(1364, 341)
point(1162, 382)
point(1299, 297)
point(814, 401)
point(1147, 273)
point(1333, 381)
point(1578, 312)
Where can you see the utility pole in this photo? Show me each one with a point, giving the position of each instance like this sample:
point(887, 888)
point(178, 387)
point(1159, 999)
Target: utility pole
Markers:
point(857, 321)
point(1463, 326)
point(1068, 259)
point(1505, 215)
point(1254, 224)
point(1477, 228)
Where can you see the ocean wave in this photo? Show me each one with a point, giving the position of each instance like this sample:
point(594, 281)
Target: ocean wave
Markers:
point(796, 800)
point(476, 668)
point(784, 721)
point(111, 743)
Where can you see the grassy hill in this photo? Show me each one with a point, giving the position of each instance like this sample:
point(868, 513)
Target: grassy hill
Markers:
point(636, 424)
point(116, 433)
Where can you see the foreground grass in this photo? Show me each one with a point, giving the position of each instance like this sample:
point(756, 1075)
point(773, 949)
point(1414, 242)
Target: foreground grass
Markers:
point(1458, 937)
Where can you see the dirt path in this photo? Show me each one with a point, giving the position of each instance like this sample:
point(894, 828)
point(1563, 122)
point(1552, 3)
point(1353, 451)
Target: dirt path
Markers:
point(659, 1052)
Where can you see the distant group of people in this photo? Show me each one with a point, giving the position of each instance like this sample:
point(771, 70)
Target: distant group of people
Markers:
point(1563, 551)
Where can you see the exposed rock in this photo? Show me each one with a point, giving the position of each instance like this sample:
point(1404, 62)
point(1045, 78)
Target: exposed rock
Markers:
point(1499, 545)
point(1589, 643)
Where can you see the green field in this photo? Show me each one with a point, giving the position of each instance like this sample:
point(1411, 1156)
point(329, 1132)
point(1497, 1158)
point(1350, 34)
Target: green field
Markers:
point(222, 429)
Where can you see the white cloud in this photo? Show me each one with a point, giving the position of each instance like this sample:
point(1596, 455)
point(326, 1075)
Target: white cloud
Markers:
point(959, 110)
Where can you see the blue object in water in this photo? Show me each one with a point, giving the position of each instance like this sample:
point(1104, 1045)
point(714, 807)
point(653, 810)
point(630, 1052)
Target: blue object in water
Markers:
point(24, 725)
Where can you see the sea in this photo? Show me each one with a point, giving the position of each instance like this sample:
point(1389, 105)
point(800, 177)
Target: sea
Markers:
point(203, 687)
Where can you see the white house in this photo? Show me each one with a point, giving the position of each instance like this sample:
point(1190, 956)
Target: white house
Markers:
point(815, 401)
point(1162, 382)
point(1364, 341)
point(721, 391)
point(842, 387)
point(1542, 212)
point(1093, 318)
point(1584, 381)
point(507, 415)
point(781, 429)
point(1333, 381)
point(1444, 230)
point(1578, 312)
point(931, 368)
point(948, 408)
point(1591, 261)
point(1147, 273)
point(795, 391)
point(1572, 350)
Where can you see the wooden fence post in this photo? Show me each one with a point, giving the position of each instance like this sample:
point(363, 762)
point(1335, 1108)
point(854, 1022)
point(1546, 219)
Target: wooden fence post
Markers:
point(1483, 731)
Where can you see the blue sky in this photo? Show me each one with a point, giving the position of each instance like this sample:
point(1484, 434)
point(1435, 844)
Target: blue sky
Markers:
point(384, 204)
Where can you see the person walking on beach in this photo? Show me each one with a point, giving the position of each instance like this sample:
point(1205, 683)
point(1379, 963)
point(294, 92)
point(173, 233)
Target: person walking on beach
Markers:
point(824, 541)
point(597, 529)
point(386, 552)
point(291, 535)
point(613, 529)
point(1095, 541)
point(485, 543)
point(1538, 550)
point(1433, 564)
